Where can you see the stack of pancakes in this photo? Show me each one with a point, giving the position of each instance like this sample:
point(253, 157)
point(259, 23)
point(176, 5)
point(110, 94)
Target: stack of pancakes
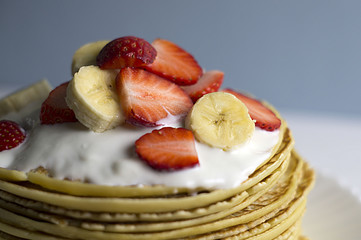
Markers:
point(268, 205)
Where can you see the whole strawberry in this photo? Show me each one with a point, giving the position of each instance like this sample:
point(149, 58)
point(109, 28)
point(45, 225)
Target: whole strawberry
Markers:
point(126, 51)
point(11, 135)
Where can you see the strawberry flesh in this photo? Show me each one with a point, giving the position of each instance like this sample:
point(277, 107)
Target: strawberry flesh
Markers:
point(11, 135)
point(147, 98)
point(209, 82)
point(126, 51)
point(168, 149)
point(174, 63)
point(54, 109)
point(264, 117)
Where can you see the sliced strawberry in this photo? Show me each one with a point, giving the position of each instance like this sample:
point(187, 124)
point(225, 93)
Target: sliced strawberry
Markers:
point(209, 82)
point(168, 149)
point(54, 109)
point(174, 63)
point(264, 117)
point(126, 51)
point(147, 98)
point(11, 135)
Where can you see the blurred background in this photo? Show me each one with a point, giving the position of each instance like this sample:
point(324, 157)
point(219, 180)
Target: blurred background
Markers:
point(299, 55)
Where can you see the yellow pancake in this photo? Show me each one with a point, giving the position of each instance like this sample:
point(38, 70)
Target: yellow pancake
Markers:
point(267, 230)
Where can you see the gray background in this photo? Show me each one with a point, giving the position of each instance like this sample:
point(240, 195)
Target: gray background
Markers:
point(299, 55)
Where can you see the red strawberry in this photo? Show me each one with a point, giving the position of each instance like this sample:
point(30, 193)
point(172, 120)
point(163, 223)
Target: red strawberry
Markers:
point(264, 117)
point(11, 135)
point(168, 149)
point(174, 63)
point(147, 98)
point(126, 51)
point(54, 109)
point(209, 82)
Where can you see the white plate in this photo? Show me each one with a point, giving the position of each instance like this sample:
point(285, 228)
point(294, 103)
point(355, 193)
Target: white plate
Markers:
point(333, 213)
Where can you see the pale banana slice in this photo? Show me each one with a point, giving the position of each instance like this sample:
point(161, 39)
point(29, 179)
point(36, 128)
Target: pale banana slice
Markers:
point(220, 120)
point(33, 94)
point(86, 55)
point(91, 94)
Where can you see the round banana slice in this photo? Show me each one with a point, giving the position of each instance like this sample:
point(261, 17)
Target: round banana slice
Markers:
point(220, 120)
point(92, 96)
point(86, 55)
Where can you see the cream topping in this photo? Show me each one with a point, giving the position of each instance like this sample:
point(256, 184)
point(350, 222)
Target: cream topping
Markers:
point(70, 150)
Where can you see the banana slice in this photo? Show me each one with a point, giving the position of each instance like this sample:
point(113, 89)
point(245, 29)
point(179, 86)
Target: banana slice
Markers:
point(86, 55)
point(220, 120)
point(92, 96)
point(34, 94)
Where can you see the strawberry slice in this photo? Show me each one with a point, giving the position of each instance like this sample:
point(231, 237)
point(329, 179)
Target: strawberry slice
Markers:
point(209, 82)
point(168, 149)
point(264, 117)
point(147, 98)
point(126, 51)
point(54, 109)
point(174, 63)
point(11, 135)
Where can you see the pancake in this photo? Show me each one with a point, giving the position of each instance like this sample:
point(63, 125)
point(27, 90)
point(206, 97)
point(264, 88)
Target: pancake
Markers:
point(269, 204)
point(265, 214)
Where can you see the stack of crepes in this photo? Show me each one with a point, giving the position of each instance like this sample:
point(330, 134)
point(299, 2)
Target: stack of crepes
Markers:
point(268, 205)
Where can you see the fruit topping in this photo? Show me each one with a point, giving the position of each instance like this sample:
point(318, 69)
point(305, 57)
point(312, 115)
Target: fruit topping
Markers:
point(147, 98)
point(174, 63)
point(11, 135)
point(168, 149)
point(54, 109)
point(264, 117)
point(220, 120)
point(209, 82)
point(92, 96)
point(126, 51)
point(86, 55)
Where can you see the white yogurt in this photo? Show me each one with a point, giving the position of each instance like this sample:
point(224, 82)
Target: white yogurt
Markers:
point(70, 150)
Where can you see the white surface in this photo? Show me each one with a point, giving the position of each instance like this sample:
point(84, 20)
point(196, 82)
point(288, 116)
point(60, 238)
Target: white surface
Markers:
point(333, 213)
point(331, 144)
